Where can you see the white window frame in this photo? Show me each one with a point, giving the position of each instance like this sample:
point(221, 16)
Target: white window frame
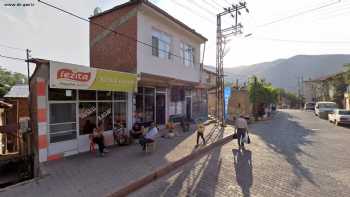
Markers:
point(187, 53)
point(165, 42)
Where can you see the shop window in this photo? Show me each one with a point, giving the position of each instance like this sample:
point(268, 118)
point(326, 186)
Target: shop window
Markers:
point(187, 92)
point(62, 122)
point(62, 94)
point(161, 89)
point(139, 108)
point(120, 115)
point(120, 96)
point(105, 115)
point(86, 95)
point(87, 117)
point(145, 105)
point(104, 95)
point(149, 108)
point(149, 91)
point(177, 94)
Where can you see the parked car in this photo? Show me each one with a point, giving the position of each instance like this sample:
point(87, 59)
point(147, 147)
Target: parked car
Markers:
point(339, 116)
point(322, 109)
point(310, 106)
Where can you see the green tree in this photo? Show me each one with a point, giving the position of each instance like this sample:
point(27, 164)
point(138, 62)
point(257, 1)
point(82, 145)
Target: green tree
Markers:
point(9, 79)
point(262, 92)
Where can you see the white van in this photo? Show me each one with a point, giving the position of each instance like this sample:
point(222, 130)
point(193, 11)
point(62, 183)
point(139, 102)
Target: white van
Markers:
point(322, 109)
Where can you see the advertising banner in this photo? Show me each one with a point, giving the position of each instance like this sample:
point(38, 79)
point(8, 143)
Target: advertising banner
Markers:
point(70, 76)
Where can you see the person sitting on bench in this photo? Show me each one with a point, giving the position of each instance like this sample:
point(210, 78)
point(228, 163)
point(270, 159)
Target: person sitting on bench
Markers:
point(137, 130)
point(149, 137)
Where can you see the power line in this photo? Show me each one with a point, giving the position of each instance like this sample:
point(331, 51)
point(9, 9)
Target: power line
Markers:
point(305, 41)
point(217, 4)
point(211, 4)
point(191, 11)
point(228, 2)
point(334, 13)
point(113, 31)
point(299, 13)
point(203, 8)
point(10, 47)
point(12, 58)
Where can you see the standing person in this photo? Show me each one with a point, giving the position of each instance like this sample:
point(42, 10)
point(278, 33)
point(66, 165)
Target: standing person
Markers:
point(200, 132)
point(150, 136)
point(98, 138)
point(242, 128)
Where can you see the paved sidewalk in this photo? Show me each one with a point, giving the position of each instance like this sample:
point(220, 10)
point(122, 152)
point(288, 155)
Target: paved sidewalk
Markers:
point(88, 175)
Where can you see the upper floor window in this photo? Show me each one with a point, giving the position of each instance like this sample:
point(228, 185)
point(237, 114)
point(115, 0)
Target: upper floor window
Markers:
point(161, 44)
point(187, 54)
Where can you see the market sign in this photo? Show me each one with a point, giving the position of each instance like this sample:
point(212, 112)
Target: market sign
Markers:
point(70, 76)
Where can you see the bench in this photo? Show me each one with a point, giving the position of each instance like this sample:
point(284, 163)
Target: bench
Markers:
point(150, 147)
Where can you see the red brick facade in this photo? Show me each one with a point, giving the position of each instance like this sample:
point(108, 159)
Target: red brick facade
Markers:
point(111, 51)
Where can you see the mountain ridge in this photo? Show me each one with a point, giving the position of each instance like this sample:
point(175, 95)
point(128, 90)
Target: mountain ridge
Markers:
point(284, 72)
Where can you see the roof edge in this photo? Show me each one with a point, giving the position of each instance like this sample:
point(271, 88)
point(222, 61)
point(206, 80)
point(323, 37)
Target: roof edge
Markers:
point(157, 9)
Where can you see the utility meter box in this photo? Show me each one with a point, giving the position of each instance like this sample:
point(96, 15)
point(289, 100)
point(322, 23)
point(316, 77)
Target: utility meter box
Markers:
point(24, 124)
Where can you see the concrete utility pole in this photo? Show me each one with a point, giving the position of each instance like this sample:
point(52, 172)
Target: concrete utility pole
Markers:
point(34, 138)
point(300, 80)
point(221, 35)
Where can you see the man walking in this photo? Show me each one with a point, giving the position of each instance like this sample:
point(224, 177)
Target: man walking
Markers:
point(241, 127)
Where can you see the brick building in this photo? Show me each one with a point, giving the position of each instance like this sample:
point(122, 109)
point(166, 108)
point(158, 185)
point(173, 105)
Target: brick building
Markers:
point(161, 50)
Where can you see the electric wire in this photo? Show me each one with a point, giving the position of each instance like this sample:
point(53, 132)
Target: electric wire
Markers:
point(114, 31)
point(10, 47)
point(305, 41)
point(299, 14)
point(12, 58)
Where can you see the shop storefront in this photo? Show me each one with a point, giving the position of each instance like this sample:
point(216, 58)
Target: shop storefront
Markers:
point(75, 99)
point(157, 104)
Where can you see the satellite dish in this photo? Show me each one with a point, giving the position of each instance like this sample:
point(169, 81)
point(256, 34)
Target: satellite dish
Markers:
point(97, 10)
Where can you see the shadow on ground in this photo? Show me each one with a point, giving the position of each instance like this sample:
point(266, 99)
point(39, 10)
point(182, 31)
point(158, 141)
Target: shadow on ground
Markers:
point(286, 136)
point(244, 170)
point(190, 181)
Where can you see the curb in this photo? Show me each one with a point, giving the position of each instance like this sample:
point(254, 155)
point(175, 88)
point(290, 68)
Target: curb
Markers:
point(143, 181)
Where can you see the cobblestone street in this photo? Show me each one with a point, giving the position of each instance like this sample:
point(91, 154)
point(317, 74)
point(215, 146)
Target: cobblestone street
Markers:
point(294, 154)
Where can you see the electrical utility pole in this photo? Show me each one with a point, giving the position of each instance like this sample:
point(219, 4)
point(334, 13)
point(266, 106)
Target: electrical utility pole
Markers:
point(300, 91)
point(34, 137)
point(221, 35)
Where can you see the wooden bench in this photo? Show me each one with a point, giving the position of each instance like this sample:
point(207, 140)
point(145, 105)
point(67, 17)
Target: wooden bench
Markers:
point(150, 147)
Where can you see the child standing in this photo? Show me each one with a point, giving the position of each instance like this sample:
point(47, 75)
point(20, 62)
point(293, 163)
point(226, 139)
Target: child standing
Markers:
point(200, 132)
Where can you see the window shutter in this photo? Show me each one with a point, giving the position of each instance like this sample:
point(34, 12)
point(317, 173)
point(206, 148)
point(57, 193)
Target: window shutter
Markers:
point(155, 46)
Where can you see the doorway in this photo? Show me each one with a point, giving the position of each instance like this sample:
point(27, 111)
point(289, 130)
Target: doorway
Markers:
point(188, 107)
point(160, 108)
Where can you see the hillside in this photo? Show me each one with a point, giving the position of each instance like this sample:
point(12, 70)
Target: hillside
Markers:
point(285, 72)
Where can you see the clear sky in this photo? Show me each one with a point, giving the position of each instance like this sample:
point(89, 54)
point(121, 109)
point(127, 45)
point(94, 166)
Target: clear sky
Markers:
point(54, 35)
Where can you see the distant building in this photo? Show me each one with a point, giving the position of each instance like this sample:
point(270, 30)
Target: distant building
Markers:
point(239, 102)
point(326, 88)
point(14, 110)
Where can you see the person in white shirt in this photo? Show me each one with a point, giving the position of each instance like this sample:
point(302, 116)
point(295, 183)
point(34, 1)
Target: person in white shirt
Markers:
point(149, 137)
point(241, 127)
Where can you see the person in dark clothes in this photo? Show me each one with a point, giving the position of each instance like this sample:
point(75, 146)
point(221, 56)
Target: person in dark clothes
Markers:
point(137, 130)
point(88, 127)
point(98, 139)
